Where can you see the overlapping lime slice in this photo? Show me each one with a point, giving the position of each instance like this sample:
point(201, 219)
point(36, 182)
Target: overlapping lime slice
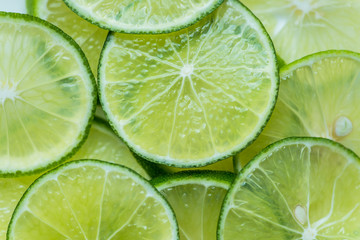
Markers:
point(196, 198)
point(47, 95)
point(300, 188)
point(151, 16)
point(101, 144)
point(224, 165)
point(317, 98)
point(302, 27)
point(192, 97)
point(92, 200)
point(90, 37)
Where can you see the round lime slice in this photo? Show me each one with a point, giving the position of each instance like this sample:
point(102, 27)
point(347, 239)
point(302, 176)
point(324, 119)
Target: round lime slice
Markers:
point(192, 97)
point(196, 198)
point(302, 27)
point(89, 37)
point(92, 200)
point(151, 16)
point(299, 188)
point(317, 98)
point(101, 144)
point(47, 95)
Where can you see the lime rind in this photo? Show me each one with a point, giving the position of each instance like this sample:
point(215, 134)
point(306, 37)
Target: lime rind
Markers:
point(92, 90)
point(267, 151)
point(256, 24)
point(138, 30)
point(91, 162)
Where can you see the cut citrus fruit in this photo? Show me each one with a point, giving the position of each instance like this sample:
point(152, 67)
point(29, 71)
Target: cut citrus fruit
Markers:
point(316, 99)
point(47, 95)
point(302, 27)
point(192, 97)
point(224, 165)
point(92, 200)
point(90, 37)
point(101, 144)
point(196, 198)
point(151, 16)
point(298, 188)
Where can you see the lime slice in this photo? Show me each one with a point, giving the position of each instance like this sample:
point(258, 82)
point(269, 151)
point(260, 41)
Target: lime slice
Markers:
point(224, 165)
point(90, 37)
point(196, 198)
point(193, 97)
point(302, 27)
point(101, 144)
point(99, 113)
point(92, 200)
point(151, 16)
point(47, 95)
point(299, 188)
point(316, 99)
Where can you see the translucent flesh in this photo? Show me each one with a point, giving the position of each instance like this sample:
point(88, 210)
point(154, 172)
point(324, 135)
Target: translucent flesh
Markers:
point(223, 165)
point(92, 201)
point(204, 91)
point(312, 97)
point(294, 188)
point(302, 27)
point(90, 37)
point(196, 204)
point(45, 96)
point(143, 16)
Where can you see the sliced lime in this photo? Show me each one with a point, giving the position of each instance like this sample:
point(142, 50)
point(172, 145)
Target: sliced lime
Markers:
point(302, 27)
point(196, 198)
point(224, 165)
point(151, 16)
point(317, 98)
point(192, 97)
point(90, 37)
point(299, 188)
point(47, 95)
point(101, 144)
point(92, 200)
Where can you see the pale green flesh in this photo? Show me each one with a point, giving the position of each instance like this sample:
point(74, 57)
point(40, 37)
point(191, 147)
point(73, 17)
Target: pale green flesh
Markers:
point(314, 94)
point(101, 144)
point(302, 27)
point(196, 203)
point(150, 16)
point(295, 188)
point(92, 200)
point(46, 95)
point(90, 37)
point(223, 165)
point(170, 113)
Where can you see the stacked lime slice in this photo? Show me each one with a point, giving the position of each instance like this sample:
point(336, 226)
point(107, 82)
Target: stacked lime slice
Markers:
point(302, 27)
point(90, 37)
point(316, 99)
point(47, 95)
point(92, 200)
point(196, 198)
point(300, 188)
point(192, 97)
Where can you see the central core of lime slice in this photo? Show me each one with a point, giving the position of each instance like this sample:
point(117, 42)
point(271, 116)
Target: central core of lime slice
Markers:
point(304, 6)
point(309, 234)
point(343, 127)
point(187, 70)
point(8, 90)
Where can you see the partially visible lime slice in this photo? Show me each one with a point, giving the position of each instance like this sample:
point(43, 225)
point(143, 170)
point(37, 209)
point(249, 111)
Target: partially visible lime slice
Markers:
point(101, 144)
point(223, 165)
point(302, 27)
point(151, 16)
point(92, 200)
point(299, 188)
point(47, 95)
point(196, 198)
point(90, 37)
point(192, 97)
point(317, 98)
